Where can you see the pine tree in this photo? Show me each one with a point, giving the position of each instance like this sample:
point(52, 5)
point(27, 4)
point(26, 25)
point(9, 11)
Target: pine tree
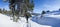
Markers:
point(0, 11)
point(26, 5)
point(48, 11)
point(59, 9)
point(43, 12)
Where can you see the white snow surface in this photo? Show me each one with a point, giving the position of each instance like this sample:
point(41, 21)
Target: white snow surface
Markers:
point(47, 19)
point(6, 22)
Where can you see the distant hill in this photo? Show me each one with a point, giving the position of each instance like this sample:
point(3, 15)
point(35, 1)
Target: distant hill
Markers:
point(57, 12)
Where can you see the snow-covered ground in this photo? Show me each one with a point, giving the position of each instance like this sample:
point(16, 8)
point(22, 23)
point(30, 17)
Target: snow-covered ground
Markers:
point(48, 19)
point(6, 22)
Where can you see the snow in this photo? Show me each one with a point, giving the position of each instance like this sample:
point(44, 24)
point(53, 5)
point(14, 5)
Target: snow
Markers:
point(6, 22)
point(51, 15)
point(57, 12)
point(48, 19)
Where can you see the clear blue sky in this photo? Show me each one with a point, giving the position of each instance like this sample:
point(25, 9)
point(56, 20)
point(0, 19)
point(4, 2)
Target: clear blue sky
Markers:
point(39, 5)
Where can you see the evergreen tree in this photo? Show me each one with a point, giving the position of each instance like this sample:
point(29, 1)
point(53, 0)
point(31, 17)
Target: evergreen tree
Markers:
point(0, 11)
point(48, 11)
point(43, 12)
point(59, 9)
point(3, 10)
point(29, 5)
point(26, 5)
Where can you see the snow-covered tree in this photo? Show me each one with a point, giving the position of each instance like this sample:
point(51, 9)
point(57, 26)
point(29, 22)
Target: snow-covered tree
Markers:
point(59, 9)
point(22, 6)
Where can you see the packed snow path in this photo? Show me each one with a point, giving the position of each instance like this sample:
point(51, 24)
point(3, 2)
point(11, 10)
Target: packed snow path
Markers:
point(6, 22)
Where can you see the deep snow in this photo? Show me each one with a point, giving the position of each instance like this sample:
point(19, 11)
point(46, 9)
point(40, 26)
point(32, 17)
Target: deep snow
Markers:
point(6, 22)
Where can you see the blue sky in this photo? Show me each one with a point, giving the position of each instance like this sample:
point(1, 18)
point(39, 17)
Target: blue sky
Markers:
point(4, 5)
point(39, 5)
point(46, 5)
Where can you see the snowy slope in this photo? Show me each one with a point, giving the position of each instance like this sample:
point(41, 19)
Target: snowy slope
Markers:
point(6, 22)
point(48, 19)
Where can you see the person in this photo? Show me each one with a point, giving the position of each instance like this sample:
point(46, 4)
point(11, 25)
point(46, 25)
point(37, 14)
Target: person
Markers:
point(26, 16)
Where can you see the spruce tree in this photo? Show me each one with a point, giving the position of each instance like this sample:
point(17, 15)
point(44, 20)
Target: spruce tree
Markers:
point(42, 14)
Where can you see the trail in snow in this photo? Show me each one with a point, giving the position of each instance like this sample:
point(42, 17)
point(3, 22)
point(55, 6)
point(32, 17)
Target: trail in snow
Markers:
point(6, 22)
